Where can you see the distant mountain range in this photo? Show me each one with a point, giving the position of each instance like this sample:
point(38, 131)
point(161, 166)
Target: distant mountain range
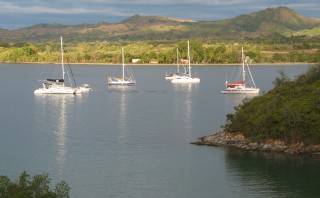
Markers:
point(265, 23)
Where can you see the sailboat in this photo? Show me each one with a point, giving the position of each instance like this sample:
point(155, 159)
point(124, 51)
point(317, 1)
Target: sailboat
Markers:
point(241, 85)
point(177, 74)
point(188, 77)
point(57, 85)
point(124, 80)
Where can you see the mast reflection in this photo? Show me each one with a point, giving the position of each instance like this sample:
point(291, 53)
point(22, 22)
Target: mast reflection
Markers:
point(123, 115)
point(55, 119)
point(121, 93)
point(184, 104)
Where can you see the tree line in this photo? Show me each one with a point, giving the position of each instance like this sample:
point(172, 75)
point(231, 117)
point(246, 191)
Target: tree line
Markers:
point(202, 51)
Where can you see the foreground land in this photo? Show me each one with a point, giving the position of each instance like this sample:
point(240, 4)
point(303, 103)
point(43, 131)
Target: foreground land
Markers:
point(238, 140)
point(284, 119)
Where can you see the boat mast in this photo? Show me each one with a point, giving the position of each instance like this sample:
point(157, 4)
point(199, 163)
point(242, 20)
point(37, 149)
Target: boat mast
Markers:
point(189, 60)
point(122, 64)
point(243, 71)
point(250, 75)
point(62, 64)
point(178, 61)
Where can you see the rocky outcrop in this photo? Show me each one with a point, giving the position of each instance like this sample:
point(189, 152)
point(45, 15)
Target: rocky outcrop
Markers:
point(239, 141)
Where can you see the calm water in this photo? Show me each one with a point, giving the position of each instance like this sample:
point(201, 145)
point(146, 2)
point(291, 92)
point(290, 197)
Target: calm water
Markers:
point(135, 142)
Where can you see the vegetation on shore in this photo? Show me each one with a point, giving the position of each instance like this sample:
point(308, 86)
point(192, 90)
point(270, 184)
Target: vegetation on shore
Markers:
point(289, 112)
point(277, 50)
point(36, 187)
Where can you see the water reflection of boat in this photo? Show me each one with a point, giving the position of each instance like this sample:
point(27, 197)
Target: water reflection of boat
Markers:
point(123, 117)
point(184, 105)
point(54, 111)
point(122, 88)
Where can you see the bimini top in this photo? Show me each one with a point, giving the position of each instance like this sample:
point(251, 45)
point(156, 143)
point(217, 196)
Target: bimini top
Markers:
point(55, 80)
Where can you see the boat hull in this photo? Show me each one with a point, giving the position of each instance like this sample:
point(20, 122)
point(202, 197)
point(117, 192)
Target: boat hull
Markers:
point(241, 91)
point(57, 89)
point(186, 80)
point(170, 77)
point(121, 83)
point(174, 76)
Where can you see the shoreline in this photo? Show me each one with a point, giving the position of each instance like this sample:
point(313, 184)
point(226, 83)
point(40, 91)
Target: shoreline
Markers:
point(165, 65)
point(237, 140)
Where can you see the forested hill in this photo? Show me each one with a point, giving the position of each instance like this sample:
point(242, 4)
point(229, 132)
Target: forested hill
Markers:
point(265, 23)
point(289, 112)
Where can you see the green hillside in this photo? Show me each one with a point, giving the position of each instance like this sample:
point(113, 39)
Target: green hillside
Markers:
point(273, 19)
point(314, 32)
point(264, 23)
point(289, 112)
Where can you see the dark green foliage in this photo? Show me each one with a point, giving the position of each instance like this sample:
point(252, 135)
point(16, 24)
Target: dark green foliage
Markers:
point(37, 187)
point(62, 190)
point(291, 111)
point(3, 44)
point(196, 51)
point(281, 80)
point(27, 51)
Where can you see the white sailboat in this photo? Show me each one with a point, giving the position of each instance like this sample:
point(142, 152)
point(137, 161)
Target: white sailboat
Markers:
point(177, 74)
point(242, 85)
point(124, 80)
point(188, 77)
point(57, 85)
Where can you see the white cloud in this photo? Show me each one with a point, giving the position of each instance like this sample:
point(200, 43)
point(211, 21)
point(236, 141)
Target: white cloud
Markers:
point(170, 2)
point(307, 6)
point(120, 7)
point(6, 7)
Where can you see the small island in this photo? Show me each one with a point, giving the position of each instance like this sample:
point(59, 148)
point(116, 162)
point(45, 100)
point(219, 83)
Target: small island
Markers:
point(285, 119)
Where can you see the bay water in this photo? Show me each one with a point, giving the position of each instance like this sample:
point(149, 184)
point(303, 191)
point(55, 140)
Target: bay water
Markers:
point(135, 142)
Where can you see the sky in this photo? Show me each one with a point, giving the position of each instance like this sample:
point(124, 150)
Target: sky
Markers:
point(15, 14)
